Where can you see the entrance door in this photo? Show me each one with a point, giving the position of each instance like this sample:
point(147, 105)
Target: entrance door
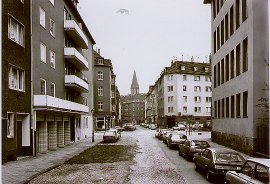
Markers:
point(19, 138)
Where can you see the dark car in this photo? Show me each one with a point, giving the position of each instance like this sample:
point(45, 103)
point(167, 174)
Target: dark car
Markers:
point(217, 161)
point(254, 171)
point(110, 136)
point(175, 139)
point(190, 147)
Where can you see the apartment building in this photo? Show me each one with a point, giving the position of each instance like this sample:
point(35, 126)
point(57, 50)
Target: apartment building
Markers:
point(151, 106)
point(239, 31)
point(105, 92)
point(183, 91)
point(133, 105)
point(16, 80)
point(62, 70)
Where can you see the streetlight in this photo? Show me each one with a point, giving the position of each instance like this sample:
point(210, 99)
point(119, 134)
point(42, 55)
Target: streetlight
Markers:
point(93, 126)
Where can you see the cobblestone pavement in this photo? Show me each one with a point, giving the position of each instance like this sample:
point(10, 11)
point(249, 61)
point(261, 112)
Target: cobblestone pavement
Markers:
point(23, 170)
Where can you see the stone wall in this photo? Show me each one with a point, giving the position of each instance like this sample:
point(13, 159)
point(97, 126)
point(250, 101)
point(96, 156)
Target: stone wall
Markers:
point(240, 143)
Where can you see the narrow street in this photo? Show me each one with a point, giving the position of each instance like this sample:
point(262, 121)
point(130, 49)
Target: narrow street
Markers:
point(141, 158)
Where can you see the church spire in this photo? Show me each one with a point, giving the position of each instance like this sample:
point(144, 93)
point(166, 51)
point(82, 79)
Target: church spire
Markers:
point(134, 85)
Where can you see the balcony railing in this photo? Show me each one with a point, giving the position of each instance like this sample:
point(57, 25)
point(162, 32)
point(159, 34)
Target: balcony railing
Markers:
point(76, 33)
point(52, 103)
point(76, 83)
point(76, 58)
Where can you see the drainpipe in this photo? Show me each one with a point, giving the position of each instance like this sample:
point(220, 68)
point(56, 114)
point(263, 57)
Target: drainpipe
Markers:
point(33, 112)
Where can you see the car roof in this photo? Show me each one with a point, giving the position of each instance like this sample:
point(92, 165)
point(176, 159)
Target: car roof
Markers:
point(222, 150)
point(263, 161)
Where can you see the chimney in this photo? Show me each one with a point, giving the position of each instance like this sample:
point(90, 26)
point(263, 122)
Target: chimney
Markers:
point(98, 51)
point(192, 59)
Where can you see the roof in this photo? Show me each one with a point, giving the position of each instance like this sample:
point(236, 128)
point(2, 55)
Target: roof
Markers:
point(134, 81)
point(207, 1)
point(263, 161)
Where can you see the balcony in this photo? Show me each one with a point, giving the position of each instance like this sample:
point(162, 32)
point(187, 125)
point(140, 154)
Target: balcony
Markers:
point(45, 102)
point(76, 33)
point(76, 83)
point(75, 58)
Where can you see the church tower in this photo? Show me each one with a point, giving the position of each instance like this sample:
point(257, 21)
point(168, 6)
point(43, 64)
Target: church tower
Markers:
point(134, 86)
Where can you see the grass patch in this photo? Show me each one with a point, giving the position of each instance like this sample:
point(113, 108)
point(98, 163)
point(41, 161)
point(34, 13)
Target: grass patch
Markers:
point(104, 154)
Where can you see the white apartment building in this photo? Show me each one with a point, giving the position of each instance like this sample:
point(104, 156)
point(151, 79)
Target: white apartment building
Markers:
point(187, 92)
point(240, 70)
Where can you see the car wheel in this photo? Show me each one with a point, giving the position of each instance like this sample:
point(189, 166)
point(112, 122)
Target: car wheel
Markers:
point(208, 175)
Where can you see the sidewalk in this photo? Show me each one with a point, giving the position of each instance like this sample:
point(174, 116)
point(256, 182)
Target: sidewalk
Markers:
point(21, 171)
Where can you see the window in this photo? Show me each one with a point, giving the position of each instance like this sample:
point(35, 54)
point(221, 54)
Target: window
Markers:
point(261, 173)
point(206, 69)
point(52, 27)
point(208, 109)
point(100, 75)
point(185, 98)
point(215, 109)
point(170, 77)
point(237, 60)
point(232, 64)
point(197, 99)
point(245, 104)
point(100, 91)
point(10, 125)
point(184, 77)
point(170, 99)
point(227, 68)
point(100, 106)
point(227, 107)
point(16, 79)
point(42, 86)
point(52, 59)
point(85, 100)
point(197, 88)
point(197, 78)
point(52, 1)
point(113, 108)
point(184, 88)
point(170, 109)
point(244, 10)
point(208, 89)
point(197, 109)
point(15, 31)
point(52, 89)
point(67, 16)
point(208, 99)
point(42, 52)
point(183, 67)
point(238, 105)
point(42, 17)
point(195, 68)
point(231, 21)
point(101, 61)
point(170, 88)
point(113, 94)
point(245, 55)
point(113, 80)
point(232, 106)
point(207, 78)
point(185, 109)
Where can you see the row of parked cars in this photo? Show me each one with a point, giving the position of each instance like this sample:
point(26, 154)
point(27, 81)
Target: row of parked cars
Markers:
point(114, 134)
point(217, 162)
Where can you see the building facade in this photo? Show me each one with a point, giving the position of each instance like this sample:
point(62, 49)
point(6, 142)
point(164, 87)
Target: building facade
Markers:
point(239, 31)
point(182, 94)
point(133, 105)
point(105, 93)
point(62, 70)
point(17, 139)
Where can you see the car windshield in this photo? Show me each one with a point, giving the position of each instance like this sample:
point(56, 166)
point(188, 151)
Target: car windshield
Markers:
point(109, 133)
point(201, 144)
point(228, 157)
point(177, 136)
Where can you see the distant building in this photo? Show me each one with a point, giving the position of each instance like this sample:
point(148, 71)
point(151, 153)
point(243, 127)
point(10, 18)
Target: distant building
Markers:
point(106, 95)
point(182, 91)
point(133, 105)
point(17, 135)
point(240, 69)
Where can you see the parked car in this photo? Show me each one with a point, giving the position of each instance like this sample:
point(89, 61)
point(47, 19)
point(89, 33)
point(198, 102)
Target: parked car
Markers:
point(110, 136)
point(217, 161)
point(130, 127)
point(179, 127)
point(165, 136)
point(160, 132)
point(190, 147)
point(118, 132)
point(152, 126)
point(175, 139)
point(119, 128)
point(254, 171)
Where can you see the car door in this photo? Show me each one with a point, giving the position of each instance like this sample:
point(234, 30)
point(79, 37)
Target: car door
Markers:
point(244, 175)
point(261, 174)
point(202, 159)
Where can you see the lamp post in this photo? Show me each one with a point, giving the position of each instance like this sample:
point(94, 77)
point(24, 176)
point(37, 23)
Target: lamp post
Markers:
point(93, 126)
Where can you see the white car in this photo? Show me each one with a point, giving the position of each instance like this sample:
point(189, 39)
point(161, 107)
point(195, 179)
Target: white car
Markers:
point(118, 132)
point(254, 171)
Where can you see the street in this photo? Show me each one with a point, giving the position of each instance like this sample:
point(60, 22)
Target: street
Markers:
point(140, 158)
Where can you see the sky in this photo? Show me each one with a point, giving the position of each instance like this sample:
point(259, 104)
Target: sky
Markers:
point(146, 35)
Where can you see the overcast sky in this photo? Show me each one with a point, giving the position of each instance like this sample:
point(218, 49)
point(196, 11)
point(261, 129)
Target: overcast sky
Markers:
point(146, 34)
